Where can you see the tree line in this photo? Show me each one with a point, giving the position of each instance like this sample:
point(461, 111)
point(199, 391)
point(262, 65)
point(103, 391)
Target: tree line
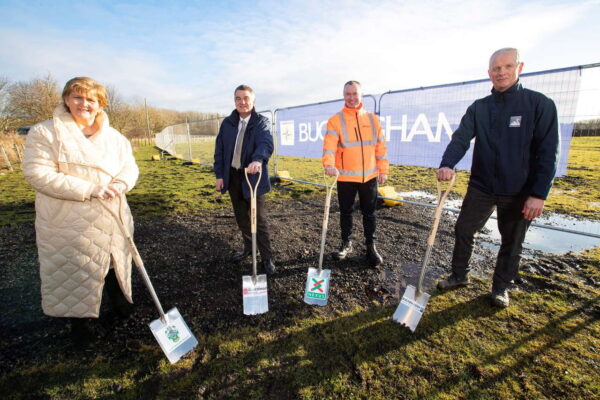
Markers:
point(26, 103)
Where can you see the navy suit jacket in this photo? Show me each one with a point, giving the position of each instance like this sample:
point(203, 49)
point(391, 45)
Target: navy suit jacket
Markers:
point(257, 146)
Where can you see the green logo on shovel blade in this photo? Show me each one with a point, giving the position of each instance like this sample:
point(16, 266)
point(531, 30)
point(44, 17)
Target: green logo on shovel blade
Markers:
point(172, 333)
point(317, 291)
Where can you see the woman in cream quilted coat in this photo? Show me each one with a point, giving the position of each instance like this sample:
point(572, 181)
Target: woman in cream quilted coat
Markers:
point(74, 161)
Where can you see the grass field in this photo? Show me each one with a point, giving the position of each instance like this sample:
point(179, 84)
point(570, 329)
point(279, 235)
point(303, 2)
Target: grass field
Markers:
point(545, 348)
point(576, 194)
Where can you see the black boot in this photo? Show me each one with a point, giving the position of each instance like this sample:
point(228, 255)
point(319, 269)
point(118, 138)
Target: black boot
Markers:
point(373, 256)
point(81, 333)
point(344, 250)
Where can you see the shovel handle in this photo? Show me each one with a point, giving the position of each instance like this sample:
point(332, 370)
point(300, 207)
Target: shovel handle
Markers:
point(441, 199)
point(253, 218)
point(328, 192)
point(137, 259)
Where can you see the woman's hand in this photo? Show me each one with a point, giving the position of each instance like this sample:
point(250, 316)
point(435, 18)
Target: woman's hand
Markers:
point(119, 187)
point(105, 192)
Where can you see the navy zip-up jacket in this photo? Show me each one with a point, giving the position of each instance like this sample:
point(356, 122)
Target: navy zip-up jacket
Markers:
point(257, 146)
point(516, 143)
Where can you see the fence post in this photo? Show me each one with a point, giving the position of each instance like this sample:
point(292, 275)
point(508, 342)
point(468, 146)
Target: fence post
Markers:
point(6, 160)
point(275, 141)
point(187, 126)
point(16, 146)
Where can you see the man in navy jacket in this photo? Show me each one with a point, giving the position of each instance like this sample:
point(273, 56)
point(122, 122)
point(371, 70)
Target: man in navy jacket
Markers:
point(245, 141)
point(514, 161)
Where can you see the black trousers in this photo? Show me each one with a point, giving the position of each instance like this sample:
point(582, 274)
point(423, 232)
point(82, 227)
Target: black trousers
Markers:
point(476, 210)
point(241, 208)
point(367, 195)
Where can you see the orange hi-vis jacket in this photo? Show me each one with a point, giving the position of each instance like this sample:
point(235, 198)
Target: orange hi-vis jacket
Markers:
point(355, 145)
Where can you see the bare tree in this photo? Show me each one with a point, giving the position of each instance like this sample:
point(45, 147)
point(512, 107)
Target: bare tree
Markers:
point(26, 103)
point(5, 120)
point(119, 112)
point(33, 101)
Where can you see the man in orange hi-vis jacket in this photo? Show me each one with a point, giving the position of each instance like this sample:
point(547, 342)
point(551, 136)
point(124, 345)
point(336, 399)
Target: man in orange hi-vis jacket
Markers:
point(355, 146)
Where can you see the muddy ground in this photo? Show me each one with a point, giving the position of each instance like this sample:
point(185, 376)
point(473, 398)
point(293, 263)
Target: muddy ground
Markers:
point(188, 260)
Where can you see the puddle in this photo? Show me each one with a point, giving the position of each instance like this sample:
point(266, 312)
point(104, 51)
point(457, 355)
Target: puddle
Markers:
point(538, 238)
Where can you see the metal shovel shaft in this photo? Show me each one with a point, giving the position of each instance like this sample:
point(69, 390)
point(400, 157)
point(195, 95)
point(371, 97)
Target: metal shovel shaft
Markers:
point(137, 259)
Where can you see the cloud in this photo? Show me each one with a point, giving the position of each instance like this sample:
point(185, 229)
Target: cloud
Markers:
point(390, 46)
point(134, 73)
point(192, 57)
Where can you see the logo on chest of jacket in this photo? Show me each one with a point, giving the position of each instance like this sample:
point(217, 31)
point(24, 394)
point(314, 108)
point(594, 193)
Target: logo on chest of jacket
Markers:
point(515, 122)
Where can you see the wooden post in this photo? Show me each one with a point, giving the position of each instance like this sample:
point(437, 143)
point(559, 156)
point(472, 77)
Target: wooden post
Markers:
point(6, 160)
point(187, 125)
point(19, 157)
point(147, 118)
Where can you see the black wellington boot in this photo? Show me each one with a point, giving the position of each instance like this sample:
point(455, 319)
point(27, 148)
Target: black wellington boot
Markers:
point(373, 256)
point(344, 250)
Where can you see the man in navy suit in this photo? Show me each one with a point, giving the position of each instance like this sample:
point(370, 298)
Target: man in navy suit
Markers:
point(245, 141)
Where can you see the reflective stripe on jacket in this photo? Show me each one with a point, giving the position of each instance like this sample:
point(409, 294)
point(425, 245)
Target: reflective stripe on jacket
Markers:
point(355, 145)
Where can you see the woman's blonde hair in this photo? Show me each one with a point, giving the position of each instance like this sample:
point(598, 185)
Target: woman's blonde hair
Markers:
point(86, 86)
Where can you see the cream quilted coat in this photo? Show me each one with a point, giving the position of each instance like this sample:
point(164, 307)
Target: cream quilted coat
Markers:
point(76, 236)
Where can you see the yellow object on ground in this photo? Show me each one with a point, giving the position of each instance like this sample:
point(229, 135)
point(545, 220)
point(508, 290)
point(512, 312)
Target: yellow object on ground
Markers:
point(282, 175)
point(179, 156)
point(155, 157)
point(390, 192)
point(196, 160)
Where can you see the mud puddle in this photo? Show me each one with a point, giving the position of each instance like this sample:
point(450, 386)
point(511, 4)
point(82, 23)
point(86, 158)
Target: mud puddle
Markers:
point(538, 238)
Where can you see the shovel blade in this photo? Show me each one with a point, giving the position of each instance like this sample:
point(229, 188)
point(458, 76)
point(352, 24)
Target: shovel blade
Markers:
point(255, 296)
point(173, 336)
point(411, 308)
point(317, 287)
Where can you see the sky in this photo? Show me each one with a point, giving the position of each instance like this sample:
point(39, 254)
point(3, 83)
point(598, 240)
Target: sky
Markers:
point(190, 55)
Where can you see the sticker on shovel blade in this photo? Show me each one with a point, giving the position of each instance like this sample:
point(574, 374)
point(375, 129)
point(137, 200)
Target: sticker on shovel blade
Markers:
point(317, 288)
point(255, 291)
point(410, 303)
point(172, 334)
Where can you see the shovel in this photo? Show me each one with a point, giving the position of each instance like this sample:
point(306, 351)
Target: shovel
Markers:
point(170, 330)
point(413, 303)
point(254, 288)
point(317, 281)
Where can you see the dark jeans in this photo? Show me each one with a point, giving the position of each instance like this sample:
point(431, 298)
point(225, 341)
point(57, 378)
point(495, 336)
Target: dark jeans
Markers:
point(241, 208)
point(367, 194)
point(476, 210)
